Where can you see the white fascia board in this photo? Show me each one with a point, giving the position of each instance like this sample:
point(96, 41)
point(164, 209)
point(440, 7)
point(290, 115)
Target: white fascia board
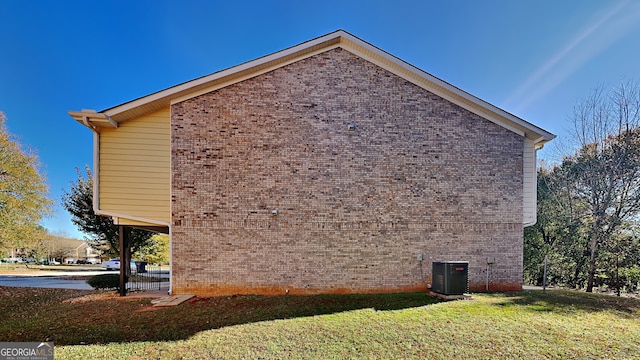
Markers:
point(261, 66)
point(93, 119)
point(134, 218)
point(171, 92)
point(261, 69)
point(432, 84)
point(357, 46)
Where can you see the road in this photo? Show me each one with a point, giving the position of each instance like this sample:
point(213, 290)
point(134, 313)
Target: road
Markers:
point(44, 282)
point(56, 279)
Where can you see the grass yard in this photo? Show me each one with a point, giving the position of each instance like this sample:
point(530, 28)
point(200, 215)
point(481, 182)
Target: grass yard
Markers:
point(528, 325)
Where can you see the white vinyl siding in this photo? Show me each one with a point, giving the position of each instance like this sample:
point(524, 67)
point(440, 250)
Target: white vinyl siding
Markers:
point(530, 184)
point(134, 168)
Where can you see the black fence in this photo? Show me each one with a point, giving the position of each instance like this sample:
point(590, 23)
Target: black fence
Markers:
point(148, 277)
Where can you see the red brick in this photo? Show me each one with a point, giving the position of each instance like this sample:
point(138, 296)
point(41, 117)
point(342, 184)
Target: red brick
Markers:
point(416, 174)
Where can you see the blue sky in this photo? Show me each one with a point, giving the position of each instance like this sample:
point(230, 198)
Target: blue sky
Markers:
point(535, 59)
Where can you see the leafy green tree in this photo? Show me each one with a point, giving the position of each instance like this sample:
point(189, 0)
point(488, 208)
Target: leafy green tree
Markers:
point(155, 251)
point(605, 171)
point(606, 176)
point(592, 198)
point(23, 193)
point(619, 261)
point(558, 235)
point(101, 229)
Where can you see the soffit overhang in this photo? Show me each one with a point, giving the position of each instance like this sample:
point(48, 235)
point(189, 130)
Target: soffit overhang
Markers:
point(162, 99)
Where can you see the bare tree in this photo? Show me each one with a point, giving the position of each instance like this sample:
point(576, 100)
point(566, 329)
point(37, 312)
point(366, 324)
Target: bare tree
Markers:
point(605, 172)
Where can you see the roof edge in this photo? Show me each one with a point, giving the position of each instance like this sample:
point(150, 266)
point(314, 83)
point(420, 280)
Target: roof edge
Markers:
point(112, 116)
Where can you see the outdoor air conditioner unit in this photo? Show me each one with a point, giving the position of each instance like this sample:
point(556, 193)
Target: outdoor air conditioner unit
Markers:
point(450, 277)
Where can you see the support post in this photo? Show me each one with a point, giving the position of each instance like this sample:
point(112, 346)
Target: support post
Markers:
point(125, 258)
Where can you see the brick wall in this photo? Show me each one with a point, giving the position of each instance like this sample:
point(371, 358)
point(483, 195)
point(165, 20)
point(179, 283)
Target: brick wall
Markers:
point(364, 169)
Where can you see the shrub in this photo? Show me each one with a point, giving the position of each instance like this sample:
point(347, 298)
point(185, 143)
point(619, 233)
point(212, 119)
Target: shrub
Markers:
point(104, 281)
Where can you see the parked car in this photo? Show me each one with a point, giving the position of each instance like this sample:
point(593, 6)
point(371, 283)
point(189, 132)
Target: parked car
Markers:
point(114, 264)
point(91, 261)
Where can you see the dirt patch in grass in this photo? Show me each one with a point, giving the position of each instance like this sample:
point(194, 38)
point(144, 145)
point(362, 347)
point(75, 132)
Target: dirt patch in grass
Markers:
point(91, 297)
point(149, 308)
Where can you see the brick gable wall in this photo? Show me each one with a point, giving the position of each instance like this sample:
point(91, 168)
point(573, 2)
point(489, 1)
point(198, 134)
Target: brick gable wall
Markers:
point(364, 169)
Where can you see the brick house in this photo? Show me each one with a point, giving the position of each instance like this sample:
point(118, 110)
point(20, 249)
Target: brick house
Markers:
point(328, 167)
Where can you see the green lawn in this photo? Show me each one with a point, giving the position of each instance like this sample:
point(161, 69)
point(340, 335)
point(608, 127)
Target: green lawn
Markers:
point(528, 325)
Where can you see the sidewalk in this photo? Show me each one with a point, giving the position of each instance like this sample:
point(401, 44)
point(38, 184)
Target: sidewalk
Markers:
point(67, 279)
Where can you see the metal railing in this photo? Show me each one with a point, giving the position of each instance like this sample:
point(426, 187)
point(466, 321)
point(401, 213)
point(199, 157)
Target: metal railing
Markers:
point(149, 278)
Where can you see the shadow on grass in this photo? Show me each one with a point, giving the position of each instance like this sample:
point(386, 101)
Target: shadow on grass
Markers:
point(116, 320)
point(569, 302)
point(30, 314)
